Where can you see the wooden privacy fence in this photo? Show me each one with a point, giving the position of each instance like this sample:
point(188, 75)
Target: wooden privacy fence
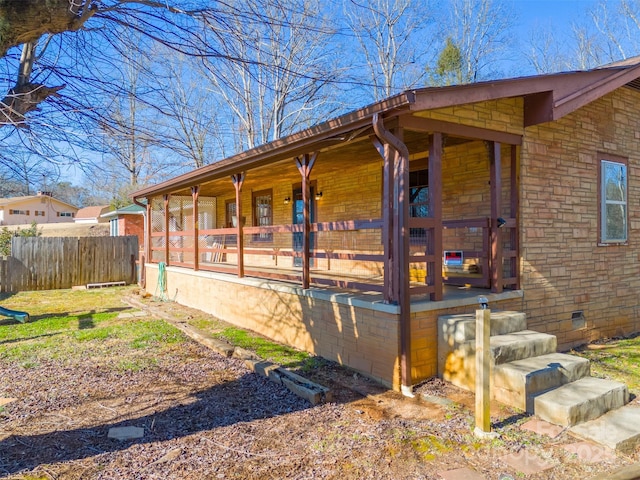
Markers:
point(48, 263)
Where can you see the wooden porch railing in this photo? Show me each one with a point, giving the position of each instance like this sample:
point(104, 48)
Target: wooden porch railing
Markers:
point(222, 246)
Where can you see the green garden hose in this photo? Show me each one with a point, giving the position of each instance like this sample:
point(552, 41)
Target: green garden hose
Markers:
point(162, 282)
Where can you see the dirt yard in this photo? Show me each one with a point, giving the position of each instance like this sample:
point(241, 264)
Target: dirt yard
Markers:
point(205, 416)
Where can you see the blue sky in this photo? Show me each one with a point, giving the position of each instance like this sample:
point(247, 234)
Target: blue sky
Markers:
point(559, 12)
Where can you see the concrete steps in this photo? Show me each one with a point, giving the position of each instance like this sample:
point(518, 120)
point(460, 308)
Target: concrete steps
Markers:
point(618, 429)
point(585, 399)
point(526, 371)
point(516, 346)
point(517, 383)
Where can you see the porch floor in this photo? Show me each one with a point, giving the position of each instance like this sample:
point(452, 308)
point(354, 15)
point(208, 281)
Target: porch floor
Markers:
point(453, 295)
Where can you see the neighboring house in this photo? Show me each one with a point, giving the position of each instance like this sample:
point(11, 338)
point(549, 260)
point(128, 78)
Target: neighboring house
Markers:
point(127, 220)
point(40, 208)
point(350, 238)
point(92, 214)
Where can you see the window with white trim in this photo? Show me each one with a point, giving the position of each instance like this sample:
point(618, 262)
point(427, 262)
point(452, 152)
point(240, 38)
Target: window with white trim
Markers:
point(262, 214)
point(614, 214)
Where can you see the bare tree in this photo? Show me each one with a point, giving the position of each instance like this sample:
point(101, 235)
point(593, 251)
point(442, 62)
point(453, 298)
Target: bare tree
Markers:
point(481, 29)
point(617, 31)
point(281, 85)
point(546, 50)
point(189, 124)
point(33, 23)
point(393, 42)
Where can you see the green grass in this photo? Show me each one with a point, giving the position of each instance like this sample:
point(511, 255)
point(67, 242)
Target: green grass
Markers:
point(70, 326)
point(618, 360)
point(268, 350)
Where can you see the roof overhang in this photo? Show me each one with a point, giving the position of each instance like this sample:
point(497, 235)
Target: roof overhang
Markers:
point(545, 98)
point(323, 135)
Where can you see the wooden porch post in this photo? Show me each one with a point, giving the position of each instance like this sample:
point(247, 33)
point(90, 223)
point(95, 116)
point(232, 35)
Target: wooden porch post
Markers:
point(166, 198)
point(196, 236)
point(148, 252)
point(399, 260)
point(238, 180)
point(515, 209)
point(305, 165)
point(434, 246)
point(385, 151)
point(496, 267)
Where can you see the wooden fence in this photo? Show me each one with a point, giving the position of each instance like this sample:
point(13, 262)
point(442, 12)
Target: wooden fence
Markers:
point(48, 263)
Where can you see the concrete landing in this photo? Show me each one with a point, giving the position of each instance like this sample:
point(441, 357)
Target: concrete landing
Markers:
point(516, 383)
point(618, 430)
point(580, 401)
point(456, 329)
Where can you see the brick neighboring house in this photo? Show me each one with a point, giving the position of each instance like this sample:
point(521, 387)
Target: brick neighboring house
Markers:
point(349, 239)
point(127, 220)
point(40, 208)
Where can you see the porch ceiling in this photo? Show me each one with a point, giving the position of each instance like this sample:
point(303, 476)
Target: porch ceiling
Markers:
point(340, 158)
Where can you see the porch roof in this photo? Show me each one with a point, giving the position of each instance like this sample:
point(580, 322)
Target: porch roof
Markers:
point(546, 98)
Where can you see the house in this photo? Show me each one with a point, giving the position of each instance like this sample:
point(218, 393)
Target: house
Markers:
point(127, 220)
point(92, 214)
point(40, 208)
point(351, 238)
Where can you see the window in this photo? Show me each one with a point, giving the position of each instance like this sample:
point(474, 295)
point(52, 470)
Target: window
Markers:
point(262, 214)
point(613, 200)
point(231, 220)
point(18, 212)
point(418, 203)
point(66, 214)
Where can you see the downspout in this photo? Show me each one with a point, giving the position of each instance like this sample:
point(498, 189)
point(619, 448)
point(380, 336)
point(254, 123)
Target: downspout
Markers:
point(401, 246)
point(146, 248)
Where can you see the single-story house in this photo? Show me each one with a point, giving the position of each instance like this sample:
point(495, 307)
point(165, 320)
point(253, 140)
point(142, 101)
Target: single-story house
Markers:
point(40, 208)
point(92, 214)
point(127, 220)
point(350, 238)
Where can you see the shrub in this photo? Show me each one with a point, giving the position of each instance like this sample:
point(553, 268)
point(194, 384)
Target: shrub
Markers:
point(6, 235)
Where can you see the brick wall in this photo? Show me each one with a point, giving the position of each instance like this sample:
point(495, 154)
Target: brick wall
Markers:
point(363, 338)
point(564, 269)
point(132, 225)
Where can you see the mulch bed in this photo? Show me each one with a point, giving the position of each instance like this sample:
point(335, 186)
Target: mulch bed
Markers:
point(206, 416)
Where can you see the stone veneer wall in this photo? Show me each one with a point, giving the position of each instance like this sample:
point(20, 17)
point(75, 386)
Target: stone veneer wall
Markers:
point(564, 270)
point(338, 327)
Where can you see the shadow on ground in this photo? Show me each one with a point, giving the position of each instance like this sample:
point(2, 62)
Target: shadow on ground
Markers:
point(245, 399)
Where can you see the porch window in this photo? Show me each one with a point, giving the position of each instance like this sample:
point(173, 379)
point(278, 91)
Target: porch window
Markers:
point(613, 201)
point(418, 202)
point(262, 214)
point(232, 219)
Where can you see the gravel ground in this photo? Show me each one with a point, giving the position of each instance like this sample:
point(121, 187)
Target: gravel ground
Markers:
point(205, 416)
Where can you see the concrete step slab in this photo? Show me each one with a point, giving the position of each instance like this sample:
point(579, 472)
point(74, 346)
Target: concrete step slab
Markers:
point(585, 399)
point(456, 329)
point(458, 366)
point(519, 345)
point(618, 429)
point(516, 383)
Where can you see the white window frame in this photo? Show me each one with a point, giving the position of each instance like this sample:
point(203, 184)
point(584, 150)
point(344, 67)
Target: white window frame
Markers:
point(605, 162)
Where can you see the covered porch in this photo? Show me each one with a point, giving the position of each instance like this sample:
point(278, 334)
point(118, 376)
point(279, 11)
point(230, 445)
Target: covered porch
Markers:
point(388, 203)
point(397, 219)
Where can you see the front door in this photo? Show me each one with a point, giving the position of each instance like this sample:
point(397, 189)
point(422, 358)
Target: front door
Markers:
point(298, 219)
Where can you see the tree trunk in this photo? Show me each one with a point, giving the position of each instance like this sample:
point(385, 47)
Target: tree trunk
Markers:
point(23, 21)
